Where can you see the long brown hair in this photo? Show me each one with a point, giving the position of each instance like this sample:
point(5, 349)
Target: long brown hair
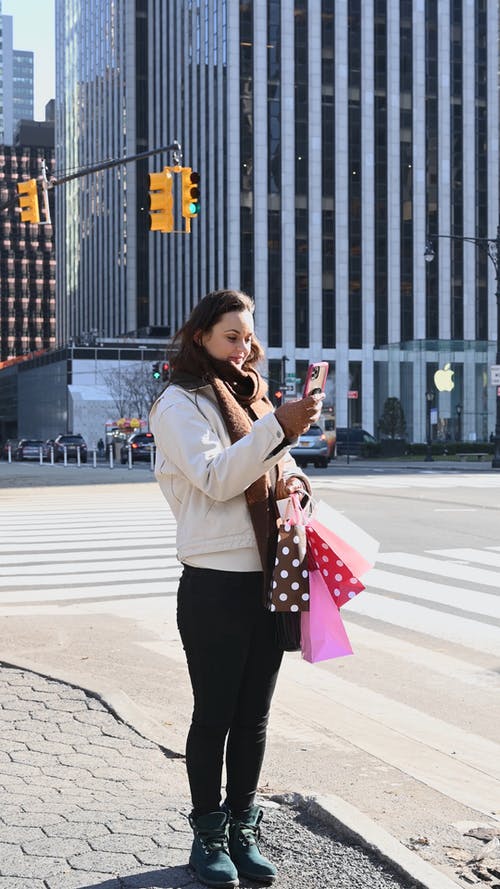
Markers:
point(202, 319)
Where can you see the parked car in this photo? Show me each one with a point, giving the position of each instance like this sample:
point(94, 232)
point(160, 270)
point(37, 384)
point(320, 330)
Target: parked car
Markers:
point(28, 449)
point(70, 441)
point(12, 443)
point(350, 440)
point(140, 444)
point(312, 447)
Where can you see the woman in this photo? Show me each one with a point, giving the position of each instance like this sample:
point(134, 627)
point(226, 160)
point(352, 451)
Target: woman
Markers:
point(222, 458)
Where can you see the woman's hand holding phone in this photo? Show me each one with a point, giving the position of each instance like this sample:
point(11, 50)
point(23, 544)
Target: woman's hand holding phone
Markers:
point(295, 417)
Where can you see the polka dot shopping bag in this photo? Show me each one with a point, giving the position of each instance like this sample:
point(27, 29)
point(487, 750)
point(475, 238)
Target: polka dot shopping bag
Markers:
point(290, 582)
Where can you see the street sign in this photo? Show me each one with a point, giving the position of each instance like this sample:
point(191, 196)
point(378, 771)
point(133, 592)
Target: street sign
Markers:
point(353, 393)
point(495, 374)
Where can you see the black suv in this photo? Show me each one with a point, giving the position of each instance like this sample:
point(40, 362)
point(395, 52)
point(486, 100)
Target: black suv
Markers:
point(350, 441)
point(71, 442)
point(140, 444)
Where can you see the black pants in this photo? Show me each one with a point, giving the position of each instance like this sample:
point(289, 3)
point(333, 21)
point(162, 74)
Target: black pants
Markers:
point(233, 662)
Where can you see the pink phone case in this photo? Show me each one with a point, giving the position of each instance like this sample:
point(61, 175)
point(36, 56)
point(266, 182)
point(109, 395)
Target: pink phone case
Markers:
point(316, 378)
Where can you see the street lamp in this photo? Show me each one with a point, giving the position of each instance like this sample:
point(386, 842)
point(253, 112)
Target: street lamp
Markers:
point(429, 398)
point(459, 417)
point(490, 246)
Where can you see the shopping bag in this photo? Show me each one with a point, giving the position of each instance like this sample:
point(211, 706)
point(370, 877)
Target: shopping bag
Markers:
point(351, 544)
point(342, 584)
point(289, 589)
point(323, 635)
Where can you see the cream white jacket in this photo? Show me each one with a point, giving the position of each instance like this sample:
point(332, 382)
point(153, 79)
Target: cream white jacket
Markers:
point(203, 476)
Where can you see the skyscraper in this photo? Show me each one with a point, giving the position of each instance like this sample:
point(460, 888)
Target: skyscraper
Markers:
point(332, 140)
point(16, 87)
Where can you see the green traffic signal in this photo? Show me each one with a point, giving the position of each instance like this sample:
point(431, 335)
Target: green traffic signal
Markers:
point(155, 370)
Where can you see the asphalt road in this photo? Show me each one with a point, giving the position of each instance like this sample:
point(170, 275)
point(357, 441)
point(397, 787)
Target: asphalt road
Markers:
point(406, 730)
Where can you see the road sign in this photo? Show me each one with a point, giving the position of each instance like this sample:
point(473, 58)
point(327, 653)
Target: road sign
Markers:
point(495, 374)
point(353, 393)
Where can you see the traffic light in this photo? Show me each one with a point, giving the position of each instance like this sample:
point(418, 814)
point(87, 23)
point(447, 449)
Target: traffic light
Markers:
point(165, 371)
point(278, 395)
point(190, 193)
point(155, 370)
point(28, 201)
point(161, 201)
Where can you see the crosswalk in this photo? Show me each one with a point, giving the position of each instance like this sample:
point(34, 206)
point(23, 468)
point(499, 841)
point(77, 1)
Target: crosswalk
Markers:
point(427, 479)
point(426, 631)
point(52, 553)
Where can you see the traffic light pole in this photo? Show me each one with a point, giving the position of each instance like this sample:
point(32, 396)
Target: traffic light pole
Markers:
point(174, 148)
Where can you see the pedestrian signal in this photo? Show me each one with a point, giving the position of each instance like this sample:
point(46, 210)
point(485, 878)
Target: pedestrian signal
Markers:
point(28, 201)
point(161, 201)
point(190, 193)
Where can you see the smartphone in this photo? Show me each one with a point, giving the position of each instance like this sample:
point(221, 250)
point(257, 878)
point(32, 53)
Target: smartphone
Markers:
point(316, 378)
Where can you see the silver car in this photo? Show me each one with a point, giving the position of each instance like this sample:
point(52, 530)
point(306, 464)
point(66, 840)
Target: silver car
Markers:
point(312, 447)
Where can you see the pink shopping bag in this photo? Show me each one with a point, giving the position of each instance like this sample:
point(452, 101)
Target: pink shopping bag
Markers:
point(323, 635)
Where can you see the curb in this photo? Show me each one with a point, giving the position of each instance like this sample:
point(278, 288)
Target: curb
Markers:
point(348, 821)
point(115, 700)
point(355, 826)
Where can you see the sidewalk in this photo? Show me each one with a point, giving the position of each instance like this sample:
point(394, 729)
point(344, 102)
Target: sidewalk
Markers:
point(88, 803)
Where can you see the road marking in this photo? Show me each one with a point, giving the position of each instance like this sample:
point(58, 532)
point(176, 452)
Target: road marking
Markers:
point(437, 567)
point(456, 509)
point(459, 630)
point(469, 554)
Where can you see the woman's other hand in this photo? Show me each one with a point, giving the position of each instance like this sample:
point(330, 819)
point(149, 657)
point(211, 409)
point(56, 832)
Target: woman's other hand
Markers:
point(291, 485)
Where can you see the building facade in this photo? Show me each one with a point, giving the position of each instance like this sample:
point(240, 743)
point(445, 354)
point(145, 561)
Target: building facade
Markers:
point(332, 139)
point(27, 259)
point(16, 83)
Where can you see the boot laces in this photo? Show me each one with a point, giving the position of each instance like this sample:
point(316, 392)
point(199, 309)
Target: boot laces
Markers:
point(213, 841)
point(249, 831)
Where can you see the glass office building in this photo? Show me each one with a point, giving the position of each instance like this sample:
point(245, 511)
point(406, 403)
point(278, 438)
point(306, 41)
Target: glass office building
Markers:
point(332, 140)
point(16, 82)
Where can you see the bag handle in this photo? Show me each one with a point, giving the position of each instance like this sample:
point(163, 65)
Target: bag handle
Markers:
point(295, 512)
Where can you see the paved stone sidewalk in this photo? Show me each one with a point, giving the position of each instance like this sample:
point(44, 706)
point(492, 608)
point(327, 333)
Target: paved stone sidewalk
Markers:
point(87, 802)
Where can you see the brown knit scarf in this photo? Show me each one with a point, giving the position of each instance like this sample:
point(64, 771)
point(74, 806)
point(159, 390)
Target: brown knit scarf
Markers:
point(242, 399)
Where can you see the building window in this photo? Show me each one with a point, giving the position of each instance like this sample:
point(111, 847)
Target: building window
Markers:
point(406, 169)
point(246, 146)
point(301, 177)
point(380, 158)
point(274, 173)
point(354, 142)
point(328, 173)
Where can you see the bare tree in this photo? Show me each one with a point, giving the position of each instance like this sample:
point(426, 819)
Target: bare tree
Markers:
point(132, 389)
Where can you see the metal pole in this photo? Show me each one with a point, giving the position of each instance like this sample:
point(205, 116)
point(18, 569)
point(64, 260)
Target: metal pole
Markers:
point(495, 463)
point(428, 399)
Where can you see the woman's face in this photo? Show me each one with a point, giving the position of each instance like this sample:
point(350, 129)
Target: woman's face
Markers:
point(230, 339)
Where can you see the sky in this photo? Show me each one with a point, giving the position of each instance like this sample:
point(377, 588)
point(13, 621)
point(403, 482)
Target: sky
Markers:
point(34, 30)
